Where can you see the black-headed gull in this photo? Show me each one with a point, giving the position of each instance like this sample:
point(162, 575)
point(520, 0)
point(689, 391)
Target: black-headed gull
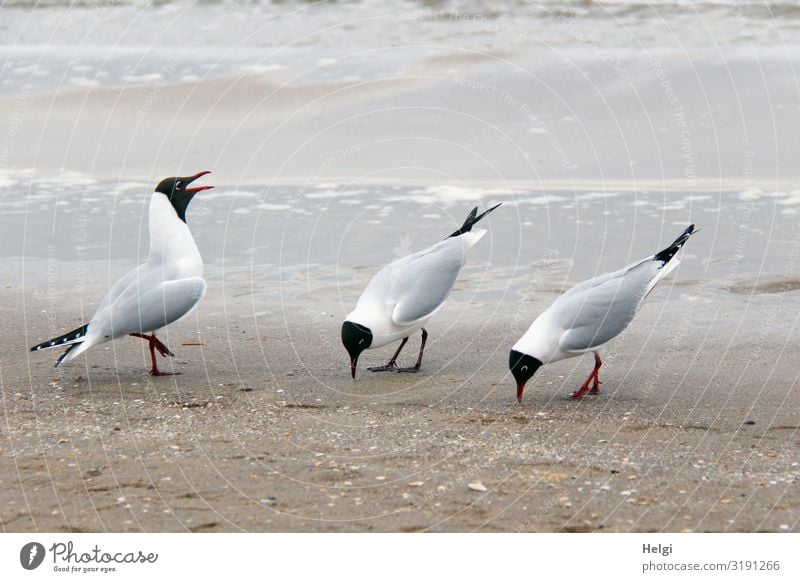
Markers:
point(160, 291)
point(405, 294)
point(589, 315)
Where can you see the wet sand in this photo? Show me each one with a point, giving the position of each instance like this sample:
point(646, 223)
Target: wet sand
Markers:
point(696, 428)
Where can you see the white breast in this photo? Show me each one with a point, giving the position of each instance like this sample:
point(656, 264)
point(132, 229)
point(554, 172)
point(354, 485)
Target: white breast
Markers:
point(171, 244)
point(541, 341)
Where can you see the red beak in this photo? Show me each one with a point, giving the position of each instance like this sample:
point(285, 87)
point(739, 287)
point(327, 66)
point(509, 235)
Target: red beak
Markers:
point(520, 390)
point(199, 188)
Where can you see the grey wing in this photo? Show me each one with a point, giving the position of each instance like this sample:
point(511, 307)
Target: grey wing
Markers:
point(423, 281)
point(596, 314)
point(604, 278)
point(171, 302)
point(119, 287)
point(143, 310)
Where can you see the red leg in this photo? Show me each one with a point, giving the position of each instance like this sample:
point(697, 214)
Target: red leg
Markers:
point(596, 386)
point(593, 376)
point(155, 344)
point(160, 346)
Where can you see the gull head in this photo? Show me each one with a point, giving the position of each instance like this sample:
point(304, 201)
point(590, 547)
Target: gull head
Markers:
point(177, 190)
point(522, 367)
point(356, 338)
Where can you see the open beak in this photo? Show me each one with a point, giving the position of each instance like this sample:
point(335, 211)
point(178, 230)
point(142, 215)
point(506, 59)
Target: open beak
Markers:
point(353, 363)
point(520, 390)
point(199, 188)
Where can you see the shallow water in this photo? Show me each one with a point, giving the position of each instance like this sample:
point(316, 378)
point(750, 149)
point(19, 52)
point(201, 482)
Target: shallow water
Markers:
point(287, 241)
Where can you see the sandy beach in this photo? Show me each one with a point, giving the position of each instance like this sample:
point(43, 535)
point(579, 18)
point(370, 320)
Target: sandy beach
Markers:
point(266, 432)
point(343, 136)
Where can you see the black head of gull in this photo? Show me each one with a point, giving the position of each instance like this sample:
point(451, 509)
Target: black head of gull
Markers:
point(522, 367)
point(356, 338)
point(179, 194)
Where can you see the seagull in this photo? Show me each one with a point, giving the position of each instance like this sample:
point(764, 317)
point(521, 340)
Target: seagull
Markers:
point(160, 291)
point(405, 294)
point(589, 315)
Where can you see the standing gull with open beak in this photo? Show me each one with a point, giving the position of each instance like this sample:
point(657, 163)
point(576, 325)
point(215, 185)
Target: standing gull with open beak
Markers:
point(588, 316)
point(160, 291)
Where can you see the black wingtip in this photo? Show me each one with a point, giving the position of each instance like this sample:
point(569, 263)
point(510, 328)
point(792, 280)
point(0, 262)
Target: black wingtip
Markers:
point(61, 340)
point(669, 252)
point(472, 218)
point(65, 354)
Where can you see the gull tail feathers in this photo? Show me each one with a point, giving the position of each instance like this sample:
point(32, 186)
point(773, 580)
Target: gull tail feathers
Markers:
point(472, 218)
point(63, 356)
point(73, 351)
point(73, 337)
